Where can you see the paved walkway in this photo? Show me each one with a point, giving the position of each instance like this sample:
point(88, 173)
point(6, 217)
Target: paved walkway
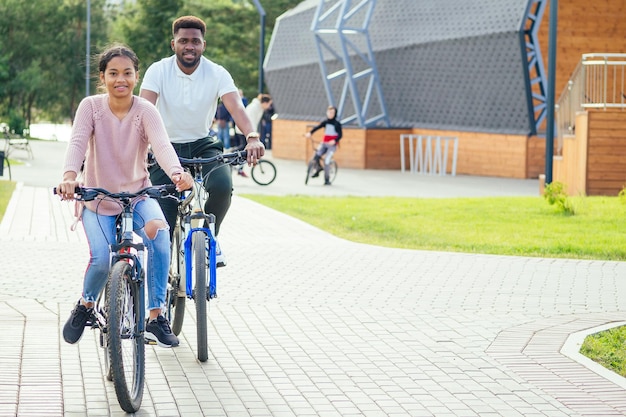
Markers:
point(373, 332)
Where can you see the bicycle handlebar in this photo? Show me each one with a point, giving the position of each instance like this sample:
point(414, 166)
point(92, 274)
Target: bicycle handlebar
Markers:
point(154, 191)
point(234, 158)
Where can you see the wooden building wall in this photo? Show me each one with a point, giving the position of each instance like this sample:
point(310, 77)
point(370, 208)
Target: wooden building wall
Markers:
point(583, 27)
point(606, 152)
point(570, 168)
point(593, 160)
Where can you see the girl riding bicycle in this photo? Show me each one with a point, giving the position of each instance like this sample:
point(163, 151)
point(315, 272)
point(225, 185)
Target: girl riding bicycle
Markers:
point(332, 136)
point(111, 135)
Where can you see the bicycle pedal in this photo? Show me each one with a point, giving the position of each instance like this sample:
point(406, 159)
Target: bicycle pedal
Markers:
point(150, 342)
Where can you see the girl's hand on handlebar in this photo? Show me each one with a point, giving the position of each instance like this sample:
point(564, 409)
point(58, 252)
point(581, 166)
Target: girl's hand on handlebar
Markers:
point(67, 189)
point(182, 181)
point(255, 149)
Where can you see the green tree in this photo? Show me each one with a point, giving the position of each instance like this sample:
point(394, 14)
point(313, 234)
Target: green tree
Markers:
point(146, 27)
point(232, 37)
point(42, 57)
point(43, 51)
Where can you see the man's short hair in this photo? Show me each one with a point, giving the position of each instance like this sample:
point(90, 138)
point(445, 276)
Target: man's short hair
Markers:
point(188, 22)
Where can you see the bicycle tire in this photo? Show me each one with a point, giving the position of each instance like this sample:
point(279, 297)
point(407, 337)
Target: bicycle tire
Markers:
point(310, 170)
point(332, 171)
point(102, 303)
point(199, 264)
point(125, 341)
point(175, 307)
point(264, 172)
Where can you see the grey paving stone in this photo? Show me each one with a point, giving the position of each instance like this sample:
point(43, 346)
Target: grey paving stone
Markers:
point(377, 331)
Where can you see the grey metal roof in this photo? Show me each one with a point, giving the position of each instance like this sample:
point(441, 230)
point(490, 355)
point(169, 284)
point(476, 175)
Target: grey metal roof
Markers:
point(443, 64)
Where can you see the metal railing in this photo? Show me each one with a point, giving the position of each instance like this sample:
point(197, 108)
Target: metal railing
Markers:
point(429, 154)
point(598, 82)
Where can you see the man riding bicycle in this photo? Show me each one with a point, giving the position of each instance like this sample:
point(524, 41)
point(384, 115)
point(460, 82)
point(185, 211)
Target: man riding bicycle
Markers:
point(186, 87)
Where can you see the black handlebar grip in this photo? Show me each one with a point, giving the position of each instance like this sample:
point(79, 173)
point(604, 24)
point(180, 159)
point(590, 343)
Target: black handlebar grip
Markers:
point(76, 190)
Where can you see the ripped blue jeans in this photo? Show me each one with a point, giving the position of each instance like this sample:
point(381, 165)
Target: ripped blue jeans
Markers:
point(100, 231)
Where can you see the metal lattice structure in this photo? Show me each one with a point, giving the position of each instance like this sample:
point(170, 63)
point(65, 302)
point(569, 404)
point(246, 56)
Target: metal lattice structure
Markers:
point(535, 76)
point(347, 23)
point(470, 65)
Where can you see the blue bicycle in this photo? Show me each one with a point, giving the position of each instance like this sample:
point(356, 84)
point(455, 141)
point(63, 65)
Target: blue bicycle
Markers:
point(193, 267)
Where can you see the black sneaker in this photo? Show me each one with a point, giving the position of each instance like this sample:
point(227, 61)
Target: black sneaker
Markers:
point(317, 172)
point(75, 325)
point(326, 182)
point(159, 331)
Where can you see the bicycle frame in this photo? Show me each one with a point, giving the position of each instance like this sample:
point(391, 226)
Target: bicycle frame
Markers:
point(192, 218)
point(123, 250)
point(315, 145)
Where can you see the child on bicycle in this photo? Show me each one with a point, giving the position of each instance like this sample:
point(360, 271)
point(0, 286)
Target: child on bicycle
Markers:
point(111, 135)
point(332, 136)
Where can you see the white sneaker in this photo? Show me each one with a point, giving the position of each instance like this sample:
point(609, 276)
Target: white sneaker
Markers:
point(220, 259)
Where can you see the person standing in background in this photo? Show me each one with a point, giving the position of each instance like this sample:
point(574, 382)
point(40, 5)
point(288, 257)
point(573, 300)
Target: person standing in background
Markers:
point(223, 119)
point(255, 111)
point(266, 126)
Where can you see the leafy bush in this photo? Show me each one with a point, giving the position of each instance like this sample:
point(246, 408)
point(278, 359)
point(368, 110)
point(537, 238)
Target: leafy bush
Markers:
point(555, 194)
point(622, 195)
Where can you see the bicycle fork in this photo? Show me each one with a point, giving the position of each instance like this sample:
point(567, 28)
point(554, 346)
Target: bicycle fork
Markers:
point(134, 254)
point(192, 224)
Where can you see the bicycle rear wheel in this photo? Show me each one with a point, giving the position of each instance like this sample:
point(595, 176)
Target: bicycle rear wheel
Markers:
point(199, 264)
point(311, 169)
point(175, 297)
point(332, 170)
point(125, 341)
point(264, 172)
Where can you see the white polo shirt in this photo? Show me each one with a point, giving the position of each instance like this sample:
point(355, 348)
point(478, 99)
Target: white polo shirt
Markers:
point(187, 103)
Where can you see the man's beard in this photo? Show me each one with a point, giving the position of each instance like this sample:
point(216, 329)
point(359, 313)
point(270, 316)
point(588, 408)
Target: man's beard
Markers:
point(188, 64)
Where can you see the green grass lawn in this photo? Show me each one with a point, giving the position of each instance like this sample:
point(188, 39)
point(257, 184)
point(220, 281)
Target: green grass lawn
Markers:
point(524, 226)
point(607, 348)
point(6, 189)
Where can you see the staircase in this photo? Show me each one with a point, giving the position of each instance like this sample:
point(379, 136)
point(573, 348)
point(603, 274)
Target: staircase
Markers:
point(598, 82)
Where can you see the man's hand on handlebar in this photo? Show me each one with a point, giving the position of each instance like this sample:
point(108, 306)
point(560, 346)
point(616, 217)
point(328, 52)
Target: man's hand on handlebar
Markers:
point(255, 149)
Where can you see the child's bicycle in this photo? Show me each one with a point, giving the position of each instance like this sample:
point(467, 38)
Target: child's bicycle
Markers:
point(193, 267)
point(119, 311)
point(316, 166)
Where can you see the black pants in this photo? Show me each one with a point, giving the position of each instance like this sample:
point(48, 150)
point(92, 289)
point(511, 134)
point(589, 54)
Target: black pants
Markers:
point(218, 183)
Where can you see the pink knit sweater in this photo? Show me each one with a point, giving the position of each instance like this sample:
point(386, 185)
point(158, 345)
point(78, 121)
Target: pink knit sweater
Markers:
point(115, 151)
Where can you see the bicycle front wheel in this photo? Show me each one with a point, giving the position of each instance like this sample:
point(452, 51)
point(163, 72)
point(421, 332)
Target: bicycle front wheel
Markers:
point(311, 169)
point(264, 172)
point(199, 261)
point(125, 342)
point(332, 171)
point(102, 307)
point(175, 297)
